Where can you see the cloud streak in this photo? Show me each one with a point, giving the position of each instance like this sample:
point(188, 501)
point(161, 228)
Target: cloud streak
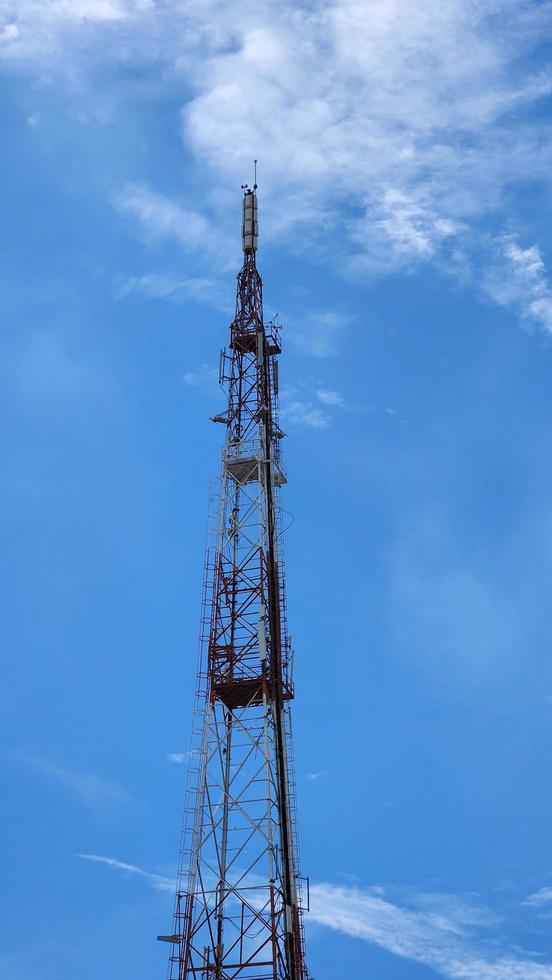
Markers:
point(161, 286)
point(159, 882)
point(539, 899)
point(88, 787)
point(439, 931)
point(162, 219)
point(455, 936)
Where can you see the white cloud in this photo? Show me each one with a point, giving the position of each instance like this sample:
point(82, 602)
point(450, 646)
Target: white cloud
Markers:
point(160, 286)
point(162, 219)
point(387, 130)
point(442, 932)
point(91, 789)
point(411, 227)
point(395, 415)
point(157, 881)
point(305, 415)
point(332, 398)
point(94, 10)
point(525, 283)
point(453, 935)
point(203, 377)
point(318, 334)
point(539, 899)
point(313, 777)
point(9, 32)
point(386, 109)
point(178, 757)
point(299, 404)
point(298, 407)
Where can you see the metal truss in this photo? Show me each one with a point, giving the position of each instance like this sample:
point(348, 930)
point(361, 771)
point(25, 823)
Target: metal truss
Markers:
point(238, 913)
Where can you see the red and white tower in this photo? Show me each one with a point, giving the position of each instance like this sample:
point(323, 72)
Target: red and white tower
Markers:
point(239, 897)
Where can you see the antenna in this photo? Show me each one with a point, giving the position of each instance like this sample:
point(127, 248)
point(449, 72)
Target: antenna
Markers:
point(250, 227)
point(245, 187)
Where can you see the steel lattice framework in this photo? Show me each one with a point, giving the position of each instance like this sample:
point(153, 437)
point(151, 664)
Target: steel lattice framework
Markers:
point(239, 902)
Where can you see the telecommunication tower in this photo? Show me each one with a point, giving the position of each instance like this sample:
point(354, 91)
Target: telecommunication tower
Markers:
point(240, 899)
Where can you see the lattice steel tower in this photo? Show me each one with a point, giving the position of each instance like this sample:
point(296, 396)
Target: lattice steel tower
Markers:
point(238, 910)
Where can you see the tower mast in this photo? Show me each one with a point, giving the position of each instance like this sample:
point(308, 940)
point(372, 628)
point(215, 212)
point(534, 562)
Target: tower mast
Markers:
point(238, 913)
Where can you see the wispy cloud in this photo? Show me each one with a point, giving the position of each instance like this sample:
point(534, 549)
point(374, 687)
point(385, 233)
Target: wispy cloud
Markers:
point(387, 135)
point(162, 218)
point(94, 10)
point(37, 30)
point(178, 757)
point(92, 789)
point(204, 377)
point(305, 404)
point(318, 334)
point(313, 777)
point(393, 123)
point(9, 33)
point(303, 414)
point(159, 286)
point(456, 937)
point(160, 882)
point(411, 226)
point(539, 899)
point(392, 412)
point(520, 279)
point(309, 404)
point(331, 398)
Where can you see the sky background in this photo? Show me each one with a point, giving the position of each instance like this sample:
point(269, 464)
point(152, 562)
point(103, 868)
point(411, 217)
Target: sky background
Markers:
point(405, 153)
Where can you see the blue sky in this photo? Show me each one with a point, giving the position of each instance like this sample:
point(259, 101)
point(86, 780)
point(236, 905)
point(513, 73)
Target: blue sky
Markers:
point(405, 152)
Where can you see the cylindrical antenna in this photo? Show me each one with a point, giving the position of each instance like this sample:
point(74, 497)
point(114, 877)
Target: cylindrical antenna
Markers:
point(250, 227)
